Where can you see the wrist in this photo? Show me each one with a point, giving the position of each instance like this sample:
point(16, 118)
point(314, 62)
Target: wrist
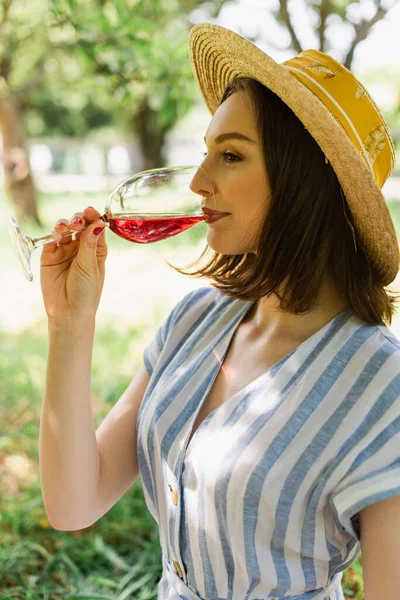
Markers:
point(73, 323)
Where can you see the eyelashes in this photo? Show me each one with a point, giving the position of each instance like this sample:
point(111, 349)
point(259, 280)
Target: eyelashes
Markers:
point(229, 157)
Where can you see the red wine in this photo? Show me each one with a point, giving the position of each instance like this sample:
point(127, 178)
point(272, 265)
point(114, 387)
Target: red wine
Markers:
point(146, 230)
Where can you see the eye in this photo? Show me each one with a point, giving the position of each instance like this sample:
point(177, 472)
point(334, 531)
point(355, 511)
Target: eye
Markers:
point(229, 157)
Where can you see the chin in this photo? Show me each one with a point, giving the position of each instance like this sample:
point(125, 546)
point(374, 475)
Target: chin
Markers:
point(228, 246)
point(229, 249)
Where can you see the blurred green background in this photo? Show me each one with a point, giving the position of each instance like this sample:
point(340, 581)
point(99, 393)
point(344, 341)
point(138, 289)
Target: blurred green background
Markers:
point(90, 92)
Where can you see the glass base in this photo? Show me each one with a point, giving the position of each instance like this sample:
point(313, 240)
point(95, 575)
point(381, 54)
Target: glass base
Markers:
point(22, 246)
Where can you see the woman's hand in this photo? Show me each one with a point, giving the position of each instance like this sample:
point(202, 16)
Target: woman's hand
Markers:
point(72, 272)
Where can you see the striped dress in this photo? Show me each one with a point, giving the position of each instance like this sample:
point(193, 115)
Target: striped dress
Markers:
point(263, 502)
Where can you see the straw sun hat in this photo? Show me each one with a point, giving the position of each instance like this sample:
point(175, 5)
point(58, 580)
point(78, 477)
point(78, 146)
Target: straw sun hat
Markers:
point(336, 110)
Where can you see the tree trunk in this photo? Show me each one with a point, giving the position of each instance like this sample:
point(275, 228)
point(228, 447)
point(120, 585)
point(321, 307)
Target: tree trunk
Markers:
point(151, 136)
point(18, 179)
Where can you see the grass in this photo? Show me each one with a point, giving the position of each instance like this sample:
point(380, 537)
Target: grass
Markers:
point(110, 558)
point(118, 557)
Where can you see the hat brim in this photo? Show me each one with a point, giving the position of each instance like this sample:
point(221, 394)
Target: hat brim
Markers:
point(218, 55)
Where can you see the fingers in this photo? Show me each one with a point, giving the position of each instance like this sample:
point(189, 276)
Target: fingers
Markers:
point(75, 223)
point(60, 227)
point(92, 250)
point(91, 214)
point(90, 220)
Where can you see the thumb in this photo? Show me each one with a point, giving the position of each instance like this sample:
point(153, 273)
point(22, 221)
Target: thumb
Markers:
point(88, 243)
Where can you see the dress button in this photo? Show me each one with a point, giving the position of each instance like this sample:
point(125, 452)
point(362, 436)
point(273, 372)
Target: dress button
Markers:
point(178, 569)
point(174, 494)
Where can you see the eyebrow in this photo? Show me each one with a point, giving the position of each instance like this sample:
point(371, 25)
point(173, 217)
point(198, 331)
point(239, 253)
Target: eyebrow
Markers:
point(230, 136)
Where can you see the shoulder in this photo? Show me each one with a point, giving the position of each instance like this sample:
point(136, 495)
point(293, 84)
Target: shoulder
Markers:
point(379, 378)
point(379, 344)
point(197, 301)
point(202, 296)
point(392, 341)
point(196, 309)
point(388, 349)
point(366, 366)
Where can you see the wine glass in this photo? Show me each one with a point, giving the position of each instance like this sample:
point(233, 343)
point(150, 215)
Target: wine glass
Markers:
point(147, 207)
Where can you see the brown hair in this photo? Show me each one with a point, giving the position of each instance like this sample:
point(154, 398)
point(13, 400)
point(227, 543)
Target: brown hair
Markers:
point(308, 232)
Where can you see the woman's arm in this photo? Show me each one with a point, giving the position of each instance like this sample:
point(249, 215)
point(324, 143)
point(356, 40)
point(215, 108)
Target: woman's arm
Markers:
point(69, 458)
point(84, 472)
point(380, 549)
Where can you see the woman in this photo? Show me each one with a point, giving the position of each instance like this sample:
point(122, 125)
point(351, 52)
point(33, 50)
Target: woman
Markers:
point(265, 421)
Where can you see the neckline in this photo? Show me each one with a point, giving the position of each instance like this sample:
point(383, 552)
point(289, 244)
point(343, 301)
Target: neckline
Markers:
point(225, 343)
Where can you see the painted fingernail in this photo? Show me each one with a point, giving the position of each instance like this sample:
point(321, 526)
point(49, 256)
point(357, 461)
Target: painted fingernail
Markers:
point(98, 230)
point(77, 220)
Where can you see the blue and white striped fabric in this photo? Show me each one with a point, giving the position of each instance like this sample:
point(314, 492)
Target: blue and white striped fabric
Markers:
point(260, 504)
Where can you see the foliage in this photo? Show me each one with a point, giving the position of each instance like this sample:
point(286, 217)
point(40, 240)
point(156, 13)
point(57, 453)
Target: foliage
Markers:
point(136, 51)
point(90, 63)
point(115, 557)
point(106, 58)
point(35, 72)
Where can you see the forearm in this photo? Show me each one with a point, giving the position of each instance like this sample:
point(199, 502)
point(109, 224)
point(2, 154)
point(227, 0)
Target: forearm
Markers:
point(68, 452)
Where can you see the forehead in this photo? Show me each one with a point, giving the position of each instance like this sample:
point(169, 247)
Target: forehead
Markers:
point(235, 114)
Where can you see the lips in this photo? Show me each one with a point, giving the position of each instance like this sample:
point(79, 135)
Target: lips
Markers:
point(211, 212)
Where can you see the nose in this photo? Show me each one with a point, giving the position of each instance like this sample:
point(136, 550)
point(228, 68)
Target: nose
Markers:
point(201, 184)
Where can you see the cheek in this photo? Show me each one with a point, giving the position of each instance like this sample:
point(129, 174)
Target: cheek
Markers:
point(251, 217)
point(248, 200)
point(254, 204)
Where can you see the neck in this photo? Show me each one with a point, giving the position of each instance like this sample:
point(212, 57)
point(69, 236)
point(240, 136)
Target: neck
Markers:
point(265, 318)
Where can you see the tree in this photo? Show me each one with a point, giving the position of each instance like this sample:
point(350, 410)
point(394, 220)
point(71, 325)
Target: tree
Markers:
point(19, 73)
point(351, 15)
point(139, 49)
point(132, 53)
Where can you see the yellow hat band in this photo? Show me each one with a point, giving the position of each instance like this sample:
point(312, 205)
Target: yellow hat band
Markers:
point(360, 119)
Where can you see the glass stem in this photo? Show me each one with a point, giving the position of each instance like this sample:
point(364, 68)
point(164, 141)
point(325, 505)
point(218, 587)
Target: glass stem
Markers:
point(56, 237)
